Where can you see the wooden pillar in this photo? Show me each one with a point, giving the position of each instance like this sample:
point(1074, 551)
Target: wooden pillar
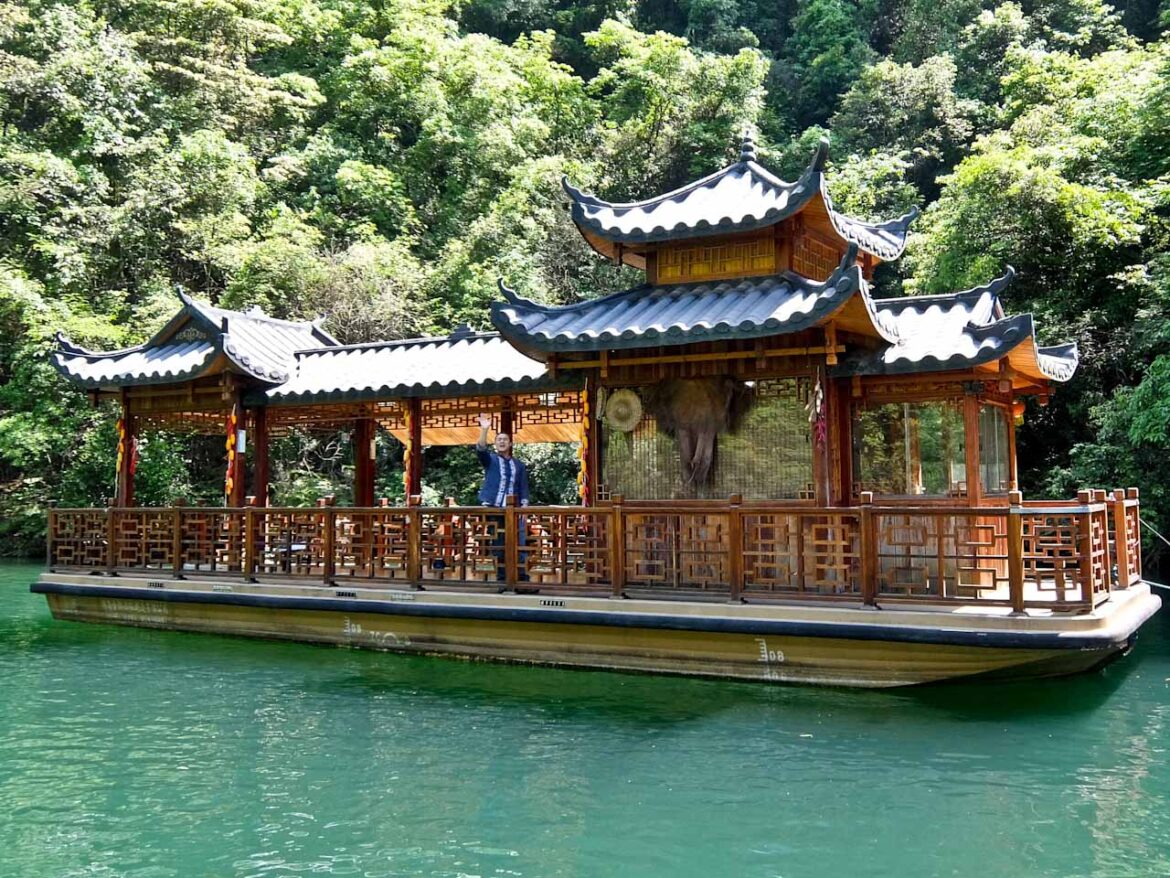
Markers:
point(1013, 472)
point(1015, 546)
point(412, 458)
point(260, 470)
point(234, 487)
point(587, 476)
point(507, 418)
point(971, 445)
point(126, 456)
point(363, 462)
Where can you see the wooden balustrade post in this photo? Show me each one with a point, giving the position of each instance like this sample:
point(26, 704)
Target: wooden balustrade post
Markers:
point(251, 543)
point(1101, 497)
point(511, 537)
point(869, 551)
point(177, 541)
point(111, 539)
point(1120, 537)
point(617, 546)
point(1132, 494)
point(736, 546)
point(414, 541)
point(1084, 537)
point(51, 529)
point(329, 523)
point(1015, 547)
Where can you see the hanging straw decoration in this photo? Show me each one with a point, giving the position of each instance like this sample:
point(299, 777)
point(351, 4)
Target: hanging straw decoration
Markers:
point(816, 416)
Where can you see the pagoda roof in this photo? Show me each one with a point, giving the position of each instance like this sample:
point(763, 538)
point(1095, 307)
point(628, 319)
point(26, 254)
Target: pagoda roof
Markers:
point(676, 314)
point(465, 363)
point(200, 339)
point(959, 331)
point(741, 197)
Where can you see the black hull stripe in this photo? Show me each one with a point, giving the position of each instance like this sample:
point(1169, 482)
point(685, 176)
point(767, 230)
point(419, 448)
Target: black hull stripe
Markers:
point(772, 627)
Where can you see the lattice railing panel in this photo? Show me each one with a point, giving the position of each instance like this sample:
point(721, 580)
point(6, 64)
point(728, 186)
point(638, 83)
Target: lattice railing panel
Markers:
point(372, 545)
point(793, 552)
point(143, 539)
point(212, 540)
point(290, 541)
point(943, 556)
point(677, 551)
point(78, 538)
point(1054, 566)
point(461, 545)
point(566, 549)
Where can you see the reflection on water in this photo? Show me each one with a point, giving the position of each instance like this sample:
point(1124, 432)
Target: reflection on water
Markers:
point(139, 753)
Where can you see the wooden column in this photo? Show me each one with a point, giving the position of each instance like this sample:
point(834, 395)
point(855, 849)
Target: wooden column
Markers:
point(412, 461)
point(587, 477)
point(127, 451)
point(260, 468)
point(507, 419)
point(363, 462)
point(1013, 472)
point(234, 487)
point(1015, 546)
point(971, 445)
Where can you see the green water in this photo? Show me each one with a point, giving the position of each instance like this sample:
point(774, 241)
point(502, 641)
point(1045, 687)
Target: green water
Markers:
point(127, 752)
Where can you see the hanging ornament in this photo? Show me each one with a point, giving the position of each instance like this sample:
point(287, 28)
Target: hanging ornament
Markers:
point(233, 423)
point(816, 415)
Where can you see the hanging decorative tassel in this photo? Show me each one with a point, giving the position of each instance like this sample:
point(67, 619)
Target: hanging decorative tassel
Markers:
point(233, 423)
point(816, 416)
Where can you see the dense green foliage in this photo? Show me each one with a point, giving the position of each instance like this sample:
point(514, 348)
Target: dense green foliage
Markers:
point(383, 163)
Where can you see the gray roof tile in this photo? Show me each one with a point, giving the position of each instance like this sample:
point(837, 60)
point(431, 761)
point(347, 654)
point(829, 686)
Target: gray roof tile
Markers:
point(741, 197)
point(260, 346)
point(685, 313)
point(464, 363)
point(960, 330)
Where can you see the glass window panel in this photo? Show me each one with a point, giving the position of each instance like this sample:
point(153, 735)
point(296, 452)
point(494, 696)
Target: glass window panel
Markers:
point(768, 456)
point(994, 460)
point(910, 448)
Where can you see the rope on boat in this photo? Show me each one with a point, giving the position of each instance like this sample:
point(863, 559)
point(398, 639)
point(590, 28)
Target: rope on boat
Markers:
point(1163, 539)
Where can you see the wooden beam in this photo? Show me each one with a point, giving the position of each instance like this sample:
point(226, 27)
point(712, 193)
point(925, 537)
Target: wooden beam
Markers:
point(605, 363)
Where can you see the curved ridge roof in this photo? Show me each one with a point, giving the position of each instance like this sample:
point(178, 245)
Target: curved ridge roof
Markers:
point(257, 345)
point(465, 363)
point(741, 197)
point(961, 330)
point(675, 314)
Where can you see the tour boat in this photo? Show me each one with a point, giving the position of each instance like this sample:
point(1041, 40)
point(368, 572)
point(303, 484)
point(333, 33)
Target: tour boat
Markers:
point(782, 478)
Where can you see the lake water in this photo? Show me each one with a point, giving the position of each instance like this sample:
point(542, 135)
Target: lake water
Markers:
point(128, 752)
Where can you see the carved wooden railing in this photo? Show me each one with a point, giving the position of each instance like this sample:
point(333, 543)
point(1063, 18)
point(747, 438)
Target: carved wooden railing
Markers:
point(1055, 555)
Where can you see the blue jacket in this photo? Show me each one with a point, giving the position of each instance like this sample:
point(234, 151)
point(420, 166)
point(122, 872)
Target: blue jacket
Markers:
point(501, 476)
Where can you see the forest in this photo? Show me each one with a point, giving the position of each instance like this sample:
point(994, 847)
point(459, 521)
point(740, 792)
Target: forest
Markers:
point(382, 162)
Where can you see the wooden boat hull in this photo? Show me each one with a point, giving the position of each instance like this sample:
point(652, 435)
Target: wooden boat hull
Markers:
point(825, 645)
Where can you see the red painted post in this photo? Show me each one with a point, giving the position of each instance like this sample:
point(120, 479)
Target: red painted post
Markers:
point(869, 551)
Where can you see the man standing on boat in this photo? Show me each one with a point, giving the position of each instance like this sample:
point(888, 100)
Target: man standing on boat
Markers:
point(503, 474)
